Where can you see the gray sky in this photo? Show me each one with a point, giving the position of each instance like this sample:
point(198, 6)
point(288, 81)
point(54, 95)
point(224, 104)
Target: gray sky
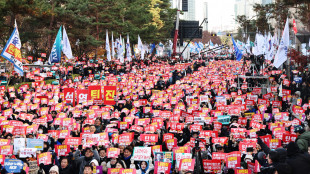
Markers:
point(221, 14)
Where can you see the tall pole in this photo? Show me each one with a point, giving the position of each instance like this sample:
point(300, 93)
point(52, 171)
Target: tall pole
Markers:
point(175, 39)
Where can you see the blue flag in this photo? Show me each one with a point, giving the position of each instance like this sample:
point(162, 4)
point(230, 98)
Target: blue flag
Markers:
point(152, 48)
point(56, 50)
point(12, 52)
point(238, 53)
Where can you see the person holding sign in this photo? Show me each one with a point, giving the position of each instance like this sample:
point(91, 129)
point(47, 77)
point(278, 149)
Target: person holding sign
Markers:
point(90, 154)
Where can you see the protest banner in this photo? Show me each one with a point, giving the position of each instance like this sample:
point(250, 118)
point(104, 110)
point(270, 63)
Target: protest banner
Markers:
point(162, 167)
point(211, 165)
point(62, 150)
point(180, 156)
point(35, 143)
point(72, 141)
point(128, 171)
point(13, 165)
point(187, 165)
point(19, 143)
point(81, 95)
point(27, 152)
point(163, 156)
point(69, 96)
point(109, 93)
point(44, 158)
point(113, 152)
point(142, 153)
point(114, 170)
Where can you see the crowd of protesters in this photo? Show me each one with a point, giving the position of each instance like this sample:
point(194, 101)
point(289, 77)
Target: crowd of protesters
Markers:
point(194, 108)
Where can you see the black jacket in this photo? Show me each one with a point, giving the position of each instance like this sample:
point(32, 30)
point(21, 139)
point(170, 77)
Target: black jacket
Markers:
point(67, 170)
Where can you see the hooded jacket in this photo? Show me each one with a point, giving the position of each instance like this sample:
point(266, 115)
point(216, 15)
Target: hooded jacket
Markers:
point(149, 167)
point(302, 141)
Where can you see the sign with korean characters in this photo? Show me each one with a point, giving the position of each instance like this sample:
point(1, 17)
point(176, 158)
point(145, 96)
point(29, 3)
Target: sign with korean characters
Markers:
point(142, 153)
point(109, 93)
point(94, 94)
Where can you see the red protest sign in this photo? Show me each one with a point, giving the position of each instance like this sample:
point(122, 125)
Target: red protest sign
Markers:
point(62, 150)
point(125, 139)
point(71, 141)
point(168, 136)
point(6, 150)
point(44, 158)
point(153, 138)
point(244, 145)
point(162, 167)
point(220, 140)
point(114, 170)
point(289, 138)
point(233, 161)
point(128, 171)
point(275, 143)
point(94, 93)
point(109, 93)
point(211, 165)
point(81, 95)
point(113, 152)
point(187, 164)
point(69, 96)
point(157, 148)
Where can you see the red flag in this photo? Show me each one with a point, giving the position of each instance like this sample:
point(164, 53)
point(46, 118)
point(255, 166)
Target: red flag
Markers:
point(294, 26)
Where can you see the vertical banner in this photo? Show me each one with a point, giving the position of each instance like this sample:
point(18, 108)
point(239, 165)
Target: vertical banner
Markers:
point(109, 93)
point(94, 93)
point(69, 96)
point(81, 95)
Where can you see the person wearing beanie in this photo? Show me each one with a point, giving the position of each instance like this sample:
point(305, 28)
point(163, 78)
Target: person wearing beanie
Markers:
point(54, 170)
point(302, 139)
point(94, 162)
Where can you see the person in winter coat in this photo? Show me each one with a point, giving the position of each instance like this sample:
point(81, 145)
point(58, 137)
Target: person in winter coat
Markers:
point(303, 138)
point(110, 164)
point(299, 162)
point(127, 156)
point(65, 167)
point(81, 162)
point(145, 167)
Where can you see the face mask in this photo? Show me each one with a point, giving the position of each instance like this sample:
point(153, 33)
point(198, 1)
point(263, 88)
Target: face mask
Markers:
point(40, 131)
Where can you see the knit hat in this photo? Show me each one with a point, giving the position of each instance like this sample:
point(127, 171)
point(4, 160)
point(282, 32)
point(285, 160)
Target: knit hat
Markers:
point(95, 162)
point(55, 169)
point(298, 128)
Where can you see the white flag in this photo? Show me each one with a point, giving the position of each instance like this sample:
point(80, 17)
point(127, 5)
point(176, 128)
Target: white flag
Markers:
point(128, 49)
point(248, 45)
point(107, 46)
point(140, 45)
point(281, 55)
point(120, 50)
point(66, 48)
point(113, 47)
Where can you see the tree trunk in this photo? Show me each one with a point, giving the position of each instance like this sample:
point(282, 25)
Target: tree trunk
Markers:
point(49, 37)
